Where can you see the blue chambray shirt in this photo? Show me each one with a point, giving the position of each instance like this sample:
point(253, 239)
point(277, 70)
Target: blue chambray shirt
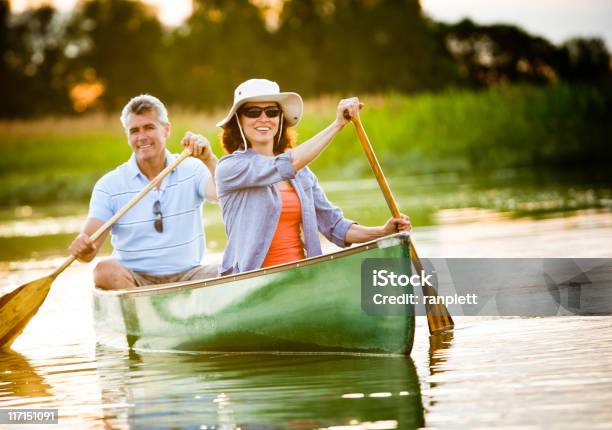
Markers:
point(251, 207)
point(136, 243)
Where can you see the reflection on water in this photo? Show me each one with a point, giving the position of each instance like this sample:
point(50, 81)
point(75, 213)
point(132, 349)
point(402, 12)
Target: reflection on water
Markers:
point(436, 199)
point(437, 358)
point(273, 391)
point(41, 226)
point(437, 345)
point(521, 373)
point(19, 380)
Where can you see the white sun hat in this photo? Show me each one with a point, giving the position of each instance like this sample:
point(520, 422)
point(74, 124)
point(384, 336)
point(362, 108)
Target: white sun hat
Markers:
point(263, 90)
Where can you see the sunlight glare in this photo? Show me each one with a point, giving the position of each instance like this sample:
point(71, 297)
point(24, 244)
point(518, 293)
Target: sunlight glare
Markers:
point(170, 12)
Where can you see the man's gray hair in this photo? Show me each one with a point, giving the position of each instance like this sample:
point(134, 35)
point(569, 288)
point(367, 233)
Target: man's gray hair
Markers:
point(143, 104)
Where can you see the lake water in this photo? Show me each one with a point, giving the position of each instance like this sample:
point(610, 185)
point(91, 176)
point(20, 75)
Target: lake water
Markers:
point(520, 373)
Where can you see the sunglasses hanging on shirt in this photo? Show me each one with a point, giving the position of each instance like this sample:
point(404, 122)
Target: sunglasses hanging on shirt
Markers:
point(159, 217)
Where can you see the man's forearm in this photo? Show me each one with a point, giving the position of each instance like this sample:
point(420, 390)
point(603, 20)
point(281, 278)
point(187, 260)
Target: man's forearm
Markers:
point(211, 164)
point(211, 186)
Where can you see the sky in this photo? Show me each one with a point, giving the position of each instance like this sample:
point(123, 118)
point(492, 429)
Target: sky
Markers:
point(556, 20)
point(170, 12)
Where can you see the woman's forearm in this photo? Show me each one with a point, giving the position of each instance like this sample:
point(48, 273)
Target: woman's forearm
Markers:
point(309, 150)
point(359, 233)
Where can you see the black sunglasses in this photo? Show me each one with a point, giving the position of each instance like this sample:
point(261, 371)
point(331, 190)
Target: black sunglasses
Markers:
point(255, 111)
point(159, 223)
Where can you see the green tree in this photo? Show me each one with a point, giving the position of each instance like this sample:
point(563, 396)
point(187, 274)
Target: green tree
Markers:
point(223, 43)
point(584, 60)
point(501, 53)
point(5, 72)
point(118, 43)
point(363, 45)
point(32, 71)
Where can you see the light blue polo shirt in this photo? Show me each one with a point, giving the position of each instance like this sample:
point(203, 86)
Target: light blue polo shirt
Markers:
point(136, 243)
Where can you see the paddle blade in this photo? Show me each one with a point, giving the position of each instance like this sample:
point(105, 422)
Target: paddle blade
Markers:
point(438, 317)
point(19, 306)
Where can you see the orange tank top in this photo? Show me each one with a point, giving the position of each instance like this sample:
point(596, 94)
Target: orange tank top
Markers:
point(286, 244)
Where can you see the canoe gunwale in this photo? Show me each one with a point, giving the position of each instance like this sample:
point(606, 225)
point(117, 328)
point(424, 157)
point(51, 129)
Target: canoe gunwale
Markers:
point(271, 352)
point(391, 240)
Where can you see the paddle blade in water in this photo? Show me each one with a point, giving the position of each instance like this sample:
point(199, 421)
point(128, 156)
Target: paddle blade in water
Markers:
point(19, 306)
point(438, 317)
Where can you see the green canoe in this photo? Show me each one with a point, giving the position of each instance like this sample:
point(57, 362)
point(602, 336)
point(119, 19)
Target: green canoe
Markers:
point(312, 305)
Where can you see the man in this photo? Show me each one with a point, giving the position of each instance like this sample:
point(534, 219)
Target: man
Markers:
point(161, 239)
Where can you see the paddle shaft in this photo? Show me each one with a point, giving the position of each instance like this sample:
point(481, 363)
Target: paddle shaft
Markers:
point(438, 318)
point(382, 181)
point(108, 224)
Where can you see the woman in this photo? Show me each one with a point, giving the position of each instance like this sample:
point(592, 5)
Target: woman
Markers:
point(273, 206)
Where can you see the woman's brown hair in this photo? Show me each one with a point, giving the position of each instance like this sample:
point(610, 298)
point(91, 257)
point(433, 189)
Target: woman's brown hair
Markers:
point(232, 140)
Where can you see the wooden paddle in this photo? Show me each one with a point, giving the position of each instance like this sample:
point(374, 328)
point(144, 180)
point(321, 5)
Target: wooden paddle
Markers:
point(438, 318)
point(21, 304)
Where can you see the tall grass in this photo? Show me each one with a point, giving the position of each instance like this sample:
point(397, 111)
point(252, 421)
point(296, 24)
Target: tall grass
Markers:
point(458, 131)
point(461, 131)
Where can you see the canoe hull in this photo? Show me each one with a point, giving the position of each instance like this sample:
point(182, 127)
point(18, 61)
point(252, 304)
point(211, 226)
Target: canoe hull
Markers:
point(311, 306)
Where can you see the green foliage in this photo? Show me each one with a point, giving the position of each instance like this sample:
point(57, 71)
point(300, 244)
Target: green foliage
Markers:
point(490, 54)
point(32, 72)
point(458, 131)
point(584, 60)
point(354, 46)
point(118, 43)
point(106, 51)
